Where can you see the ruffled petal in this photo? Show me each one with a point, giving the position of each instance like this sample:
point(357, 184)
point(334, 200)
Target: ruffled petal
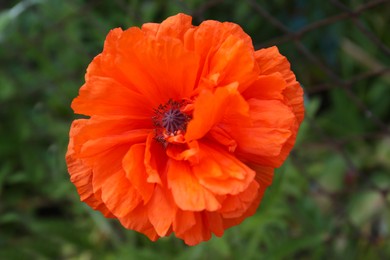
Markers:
point(103, 65)
point(104, 133)
point(155, 160)
point(264, 178)
point(158, 68)
point(207, 39)
point(215, 222)
point(267, 87)
point(188, 152)
point(175, 26)
point(222, 137)
point(199, 232)
point(270, 131)
point(96, 146)
point(133, 164)
point(119, 195)
point(235, 206)
point(220, 172)
point(184, 220)
point(138, 219)
point(104, 96)
point(81, 174)
point(187, 193)
point(233, 62)
point(162, 210)
point(270, 61)
point(225, 104)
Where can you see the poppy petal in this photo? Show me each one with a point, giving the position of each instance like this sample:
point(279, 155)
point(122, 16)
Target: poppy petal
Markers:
point(236, 206)
point(106, 97)
point(175, 26)
point(187, 193)
point(133, 164)
point(267, 87)
point(161, 211)
point(207, 38)
point(198, 232)
point(270, 131)
point(81, 175)
point(225, 103)
point(184, 220)
point(233, 62)
point(220, 172)
point(270, 61)
point(118, 194)
point(154, 161)
point(137, 219)
point(159, 69)
point(215, 222)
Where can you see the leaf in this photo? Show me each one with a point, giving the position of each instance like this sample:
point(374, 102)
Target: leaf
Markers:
point(364, 206)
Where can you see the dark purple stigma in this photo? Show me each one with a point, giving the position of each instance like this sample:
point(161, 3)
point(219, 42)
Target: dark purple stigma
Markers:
point(174, 120)
point(169, 120)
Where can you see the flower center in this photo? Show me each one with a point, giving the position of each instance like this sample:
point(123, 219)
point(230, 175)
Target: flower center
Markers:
point(170, 121)
point(174, 120)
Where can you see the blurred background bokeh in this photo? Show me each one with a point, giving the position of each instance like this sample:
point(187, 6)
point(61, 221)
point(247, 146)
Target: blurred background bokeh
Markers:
point(330, 200)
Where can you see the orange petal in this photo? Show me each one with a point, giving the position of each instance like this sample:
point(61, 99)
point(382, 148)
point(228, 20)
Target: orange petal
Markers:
point(186, 190)
point(108, 177)
point(162, 210)
point(264, 175)
point(188, 152)
point(271, 114)
point(174, 26)
point(215, 222)
point(275, 160)
point(222, 137)
point(225, 104)
point(234, 62)
point(270, 61)
point(106, 164)
point(107, 97)
point(264, 178)
point(229, 222)
point(155, 160)
point(81, 175)
point(207, 38)
point(104, 64)
point(138, 220)
point(96, 146)
point(236, 205)
point(118, 127)
point(104, 133)
point(271, 129)
point(267, 87)
point(133, 164)
point(220, 172)
point(260, 142)
point(197, 233)
point(118, 194)
point(184, 220)
point(159, 69)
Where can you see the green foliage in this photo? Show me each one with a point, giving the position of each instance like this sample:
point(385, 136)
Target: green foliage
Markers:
point(329, 200)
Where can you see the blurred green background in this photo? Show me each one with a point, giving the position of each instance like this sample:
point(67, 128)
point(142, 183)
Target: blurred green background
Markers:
point(329, 200)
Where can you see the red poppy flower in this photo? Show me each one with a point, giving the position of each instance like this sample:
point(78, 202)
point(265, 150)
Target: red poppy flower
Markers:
point(186, 125)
